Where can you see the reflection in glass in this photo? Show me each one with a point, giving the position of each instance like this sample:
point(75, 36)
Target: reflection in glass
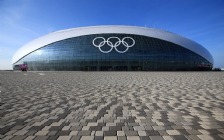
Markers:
point(147, 54)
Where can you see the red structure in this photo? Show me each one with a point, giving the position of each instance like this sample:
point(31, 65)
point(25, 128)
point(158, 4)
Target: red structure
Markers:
point(23, 67)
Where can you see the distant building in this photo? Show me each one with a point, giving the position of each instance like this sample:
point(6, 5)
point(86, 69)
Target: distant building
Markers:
point(113, 48)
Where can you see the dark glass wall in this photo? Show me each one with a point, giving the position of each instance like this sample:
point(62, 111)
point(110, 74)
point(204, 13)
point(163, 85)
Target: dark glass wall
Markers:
point(146, 54)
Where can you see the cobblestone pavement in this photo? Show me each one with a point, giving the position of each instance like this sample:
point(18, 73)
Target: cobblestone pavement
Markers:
point(112, 105)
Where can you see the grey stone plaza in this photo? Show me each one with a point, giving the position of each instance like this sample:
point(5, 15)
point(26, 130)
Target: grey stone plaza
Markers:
point(111, 105)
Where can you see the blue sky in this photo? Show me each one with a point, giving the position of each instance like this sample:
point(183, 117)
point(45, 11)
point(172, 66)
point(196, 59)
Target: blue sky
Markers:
point(24, 20)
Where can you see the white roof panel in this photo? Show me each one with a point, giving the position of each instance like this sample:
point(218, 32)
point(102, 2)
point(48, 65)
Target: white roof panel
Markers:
point(75, 32)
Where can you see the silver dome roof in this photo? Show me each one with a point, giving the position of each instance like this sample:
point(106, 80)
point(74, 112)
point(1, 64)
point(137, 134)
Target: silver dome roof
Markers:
point(75, 32)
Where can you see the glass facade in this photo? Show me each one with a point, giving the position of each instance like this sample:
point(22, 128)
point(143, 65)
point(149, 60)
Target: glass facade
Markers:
point(147, 54)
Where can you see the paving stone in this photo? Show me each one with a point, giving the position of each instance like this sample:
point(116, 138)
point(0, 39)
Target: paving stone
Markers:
point(152, 133)
point(18, 138)
point(95, 128)
point(221, 130)
point(204, 132)
point(99, 133)
point(20, 132)
point(52, 133)
point(98, 138)
point(120, 124)
point(58, 128)
point(144, 138)
point(30, 137)
point(110, 133)
point(66, 128)
point(110, 138)
point(131, 133)
point(221, 136)
point(115, 128)
point(63, 133)
point(216, 137)
point(41, 138)
point(169, 128)
point(170, 105)
point(139, 128)
point(76, 128)
point(177, 127)
point(156, 137)
point(213, 131)
point(167, 138)
point(85, 128)
point(148, 128)
point(163, 133)
point(105, 128)
point(122, 138)
point(87, 138)
point(52, 137)
point(179, 137)
point(133, 138)
point(76, 137)
point(120, 133)
point(36, 128)
point(194, 137)
point(7, 137)
point(10, 132)
point(84, 133)
point(73, 133)
point(142, 133)
point(173, 132)
point(125, 128)
point(64, 137)
point(194, 132)
point(17, 127)
point(92, 124)
point(158, 127)
point(42, 133)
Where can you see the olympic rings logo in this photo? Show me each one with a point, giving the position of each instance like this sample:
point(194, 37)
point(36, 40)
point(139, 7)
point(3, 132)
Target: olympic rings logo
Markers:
point(113, 45)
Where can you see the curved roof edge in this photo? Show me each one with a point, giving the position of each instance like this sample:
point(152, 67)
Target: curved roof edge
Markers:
point(75, 32)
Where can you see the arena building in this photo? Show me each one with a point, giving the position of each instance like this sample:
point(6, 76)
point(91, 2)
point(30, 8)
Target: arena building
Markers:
point(113, 48)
